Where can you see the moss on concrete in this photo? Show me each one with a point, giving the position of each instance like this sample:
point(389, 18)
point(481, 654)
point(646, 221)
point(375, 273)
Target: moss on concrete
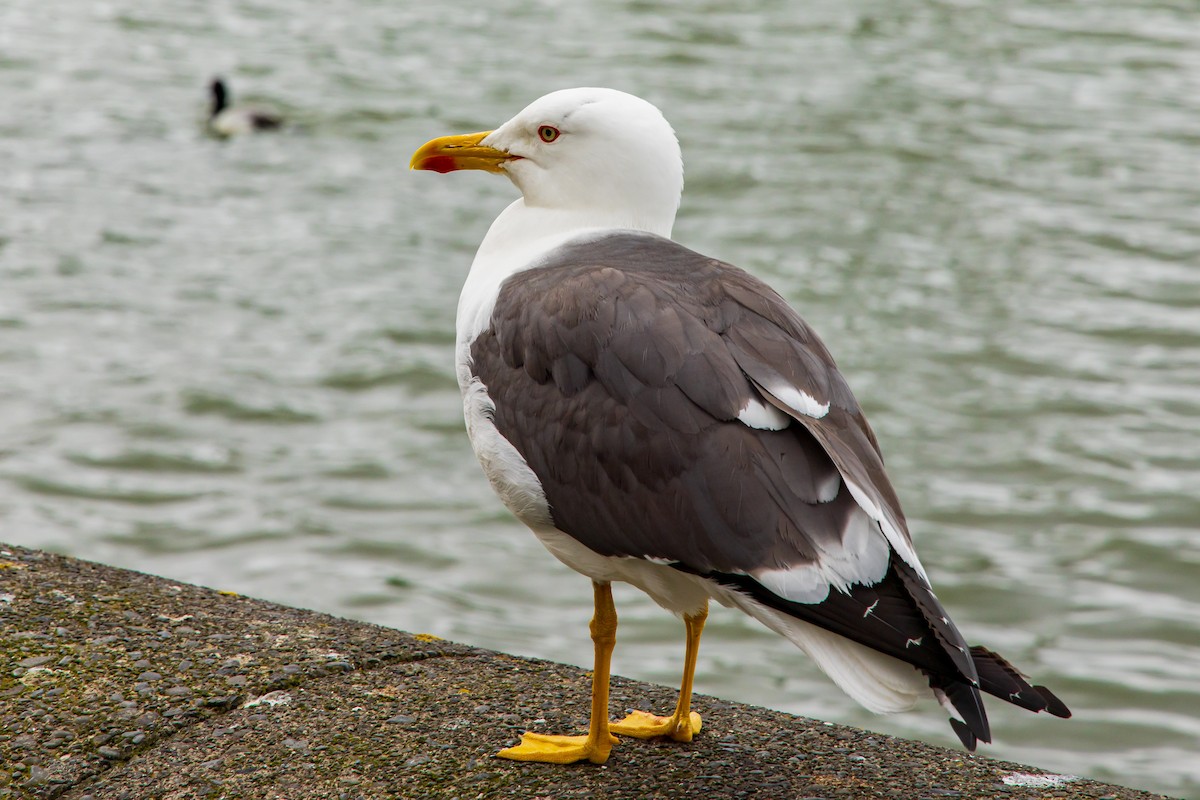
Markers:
point(115, 684)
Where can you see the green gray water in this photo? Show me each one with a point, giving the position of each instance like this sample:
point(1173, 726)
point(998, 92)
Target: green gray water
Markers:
point(230, 362)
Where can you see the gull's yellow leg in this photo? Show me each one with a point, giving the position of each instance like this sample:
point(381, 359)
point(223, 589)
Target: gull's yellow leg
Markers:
point(684, 723)
point(596, 745)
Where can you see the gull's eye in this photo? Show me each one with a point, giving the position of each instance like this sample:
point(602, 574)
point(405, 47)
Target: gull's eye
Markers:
point(548, 133)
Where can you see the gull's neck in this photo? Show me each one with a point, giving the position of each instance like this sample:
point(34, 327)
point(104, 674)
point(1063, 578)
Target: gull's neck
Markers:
point(518, 240)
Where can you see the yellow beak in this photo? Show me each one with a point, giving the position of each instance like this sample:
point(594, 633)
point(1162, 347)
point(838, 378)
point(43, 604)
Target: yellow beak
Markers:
point(448, 153)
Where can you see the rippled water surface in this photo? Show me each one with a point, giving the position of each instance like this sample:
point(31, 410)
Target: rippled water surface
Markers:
point(230, 362)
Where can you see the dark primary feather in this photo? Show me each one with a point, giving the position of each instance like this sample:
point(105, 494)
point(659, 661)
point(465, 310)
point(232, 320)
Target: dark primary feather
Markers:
point(618, 368)
point(1000, 678)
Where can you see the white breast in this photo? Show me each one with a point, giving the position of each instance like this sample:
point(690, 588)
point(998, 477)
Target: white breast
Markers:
point(505, 468)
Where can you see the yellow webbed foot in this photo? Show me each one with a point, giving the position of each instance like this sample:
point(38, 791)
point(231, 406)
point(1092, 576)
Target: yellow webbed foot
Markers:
point(559, 749)
point(643, 725)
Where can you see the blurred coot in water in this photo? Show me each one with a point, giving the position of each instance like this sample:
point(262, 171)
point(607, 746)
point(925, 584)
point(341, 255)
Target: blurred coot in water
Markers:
point(226, 119)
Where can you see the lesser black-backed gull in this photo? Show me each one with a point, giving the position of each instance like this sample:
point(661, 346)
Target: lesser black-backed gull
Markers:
point(662, 418)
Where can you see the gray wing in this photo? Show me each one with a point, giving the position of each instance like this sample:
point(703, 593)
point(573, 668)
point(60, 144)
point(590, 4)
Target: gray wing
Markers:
point(676, 408)
point(634, 357)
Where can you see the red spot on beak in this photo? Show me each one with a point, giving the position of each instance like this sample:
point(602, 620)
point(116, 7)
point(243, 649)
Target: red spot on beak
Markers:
point(442, 164)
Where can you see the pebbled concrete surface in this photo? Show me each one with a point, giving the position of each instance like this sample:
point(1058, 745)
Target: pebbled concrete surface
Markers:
point(115, 684)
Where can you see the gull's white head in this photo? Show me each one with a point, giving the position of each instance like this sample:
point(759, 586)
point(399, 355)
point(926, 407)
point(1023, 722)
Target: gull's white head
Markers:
point(598, 152)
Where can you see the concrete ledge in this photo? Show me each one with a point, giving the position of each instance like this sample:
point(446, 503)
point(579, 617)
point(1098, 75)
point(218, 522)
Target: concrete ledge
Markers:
point(115, 684)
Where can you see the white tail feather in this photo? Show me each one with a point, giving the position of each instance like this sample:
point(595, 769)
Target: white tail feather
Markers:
point(880, 683)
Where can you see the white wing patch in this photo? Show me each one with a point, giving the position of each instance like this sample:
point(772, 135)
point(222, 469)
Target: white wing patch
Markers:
point(798, 401)
point(894, 537)
point(757, 414)
point(861, 558)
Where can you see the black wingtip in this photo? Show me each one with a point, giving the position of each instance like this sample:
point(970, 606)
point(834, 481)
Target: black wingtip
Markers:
point(968, 704)
point(1053, 705)
point(1000, 678)
point(965, 734)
